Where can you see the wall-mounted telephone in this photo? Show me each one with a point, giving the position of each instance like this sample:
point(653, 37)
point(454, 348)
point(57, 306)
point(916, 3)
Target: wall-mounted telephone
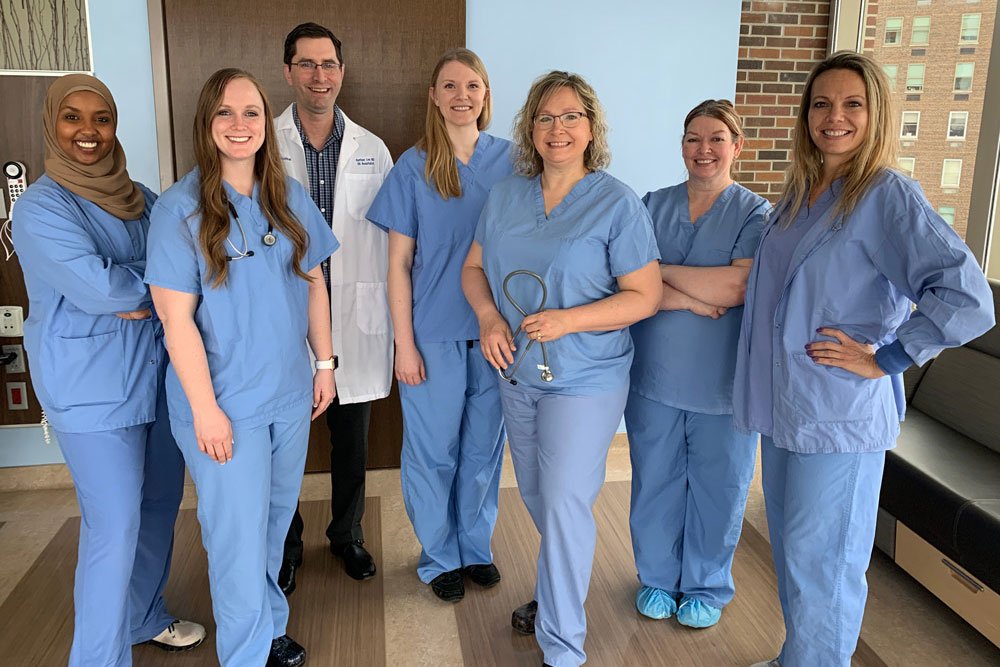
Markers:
point(17, 182)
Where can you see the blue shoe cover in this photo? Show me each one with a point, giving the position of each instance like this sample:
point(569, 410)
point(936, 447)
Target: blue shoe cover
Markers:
point(697, 614)
point(655, 603)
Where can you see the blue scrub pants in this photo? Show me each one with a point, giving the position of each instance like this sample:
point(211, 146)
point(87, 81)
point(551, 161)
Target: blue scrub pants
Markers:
point(244, 508)
point(559, 445)
point(690, 477)
point(821, 511)
point(129, 482)
point(452, 454)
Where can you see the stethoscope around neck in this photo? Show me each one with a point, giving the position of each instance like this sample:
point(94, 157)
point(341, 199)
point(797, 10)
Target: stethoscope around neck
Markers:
point(508, 374)
point(269, 239)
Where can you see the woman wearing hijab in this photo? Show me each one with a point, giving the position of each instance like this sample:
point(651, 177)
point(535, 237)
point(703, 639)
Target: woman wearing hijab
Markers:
point(97, 362)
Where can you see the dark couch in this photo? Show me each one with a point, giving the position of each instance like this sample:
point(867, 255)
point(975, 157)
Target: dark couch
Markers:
point(942, 481)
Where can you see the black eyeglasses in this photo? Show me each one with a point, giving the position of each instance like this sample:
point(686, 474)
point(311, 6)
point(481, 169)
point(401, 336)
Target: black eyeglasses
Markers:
point(568, 119)
point(310, 66)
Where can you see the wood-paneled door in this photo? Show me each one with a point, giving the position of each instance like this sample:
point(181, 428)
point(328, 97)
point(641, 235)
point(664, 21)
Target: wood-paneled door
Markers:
point(389, 50)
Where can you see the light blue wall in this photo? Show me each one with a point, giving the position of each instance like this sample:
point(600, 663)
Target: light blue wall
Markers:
point(649, 60)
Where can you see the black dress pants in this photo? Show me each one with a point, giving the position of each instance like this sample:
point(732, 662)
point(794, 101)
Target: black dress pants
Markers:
point(348, 460)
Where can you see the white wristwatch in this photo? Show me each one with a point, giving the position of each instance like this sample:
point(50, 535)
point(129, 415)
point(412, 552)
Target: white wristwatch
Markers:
point(330, 364)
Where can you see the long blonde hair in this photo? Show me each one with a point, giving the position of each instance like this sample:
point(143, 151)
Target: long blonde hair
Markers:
point(213, 203)
point(877, 152)
point(527, 161)
point(440, 168)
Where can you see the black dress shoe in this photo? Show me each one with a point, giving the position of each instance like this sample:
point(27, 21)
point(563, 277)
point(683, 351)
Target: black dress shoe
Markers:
point(286, 652)
point(449, 586)
point(358, 563)
point(523, 618)
point(485, 575)
point(286, 576)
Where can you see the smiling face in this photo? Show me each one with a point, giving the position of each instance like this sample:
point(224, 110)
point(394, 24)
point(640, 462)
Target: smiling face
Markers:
point(316, 91)
point(459, 94)
point(85, 127)
point(561, 147)
point(238, 123)
point(838, 116)
point(709, 149)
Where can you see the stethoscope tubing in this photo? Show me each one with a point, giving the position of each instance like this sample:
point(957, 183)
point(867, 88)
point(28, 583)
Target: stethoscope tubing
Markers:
point(508, 374)
point(269, 239)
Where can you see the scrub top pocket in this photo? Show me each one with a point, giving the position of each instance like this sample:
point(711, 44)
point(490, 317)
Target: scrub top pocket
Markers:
point(87, 371)
point(828, 394)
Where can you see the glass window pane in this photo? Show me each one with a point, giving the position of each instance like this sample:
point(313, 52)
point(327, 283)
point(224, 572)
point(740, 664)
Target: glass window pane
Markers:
point(951, 174)
point(963, 76)
point(910, 125)
point(907, 165)
point(891, 71)
point(948, 213)
point(914, 77)
point(970, 28)
point(921, 30)
point(957, 123)
point(893, 30)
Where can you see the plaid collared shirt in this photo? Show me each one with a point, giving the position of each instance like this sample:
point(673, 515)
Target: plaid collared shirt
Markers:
point(321, 165)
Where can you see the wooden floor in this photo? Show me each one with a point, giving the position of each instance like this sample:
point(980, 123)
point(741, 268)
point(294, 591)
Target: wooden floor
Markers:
point(342, 622)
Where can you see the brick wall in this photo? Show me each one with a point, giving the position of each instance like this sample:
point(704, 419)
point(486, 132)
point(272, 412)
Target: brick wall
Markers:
point(779, 43)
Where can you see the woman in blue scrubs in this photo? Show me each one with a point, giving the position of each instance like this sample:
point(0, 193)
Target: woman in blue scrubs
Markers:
point(234, 267)
point(589, 239)
point(452, 424)
point(691, 469)
point(97, 362)
point(827, 330)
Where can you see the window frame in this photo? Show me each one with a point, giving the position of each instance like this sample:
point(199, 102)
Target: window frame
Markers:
point(944, 171)
point(923, 76)
point(962, 28)
point(971, 77)
point(894, 78)
point(944, 216)
point(926, 30)
point(911, 170)
point(965, 126)
point(916, 124)
point(898, 32)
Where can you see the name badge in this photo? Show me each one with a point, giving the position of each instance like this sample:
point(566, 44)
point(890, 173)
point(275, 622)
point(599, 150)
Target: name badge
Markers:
point(364, 161)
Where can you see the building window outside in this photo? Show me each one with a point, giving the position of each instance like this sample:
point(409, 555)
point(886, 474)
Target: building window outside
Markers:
point(894, 31)
point(951, 174)
point(914, 77)
point(921, 31)
point(907, 165)
point(911, 125)
point(948, 213)
point(970, 29)
point(891, 71)
point(958, 121)
point(963, 77)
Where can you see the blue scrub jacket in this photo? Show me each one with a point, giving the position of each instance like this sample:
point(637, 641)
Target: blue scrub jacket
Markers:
point(860, 275)
point(92, 371)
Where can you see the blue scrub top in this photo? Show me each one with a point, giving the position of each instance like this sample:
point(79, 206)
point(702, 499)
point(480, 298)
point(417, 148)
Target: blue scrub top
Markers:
point(91, 370)
point(443, 229)
point(681, 359)
point(860, 274)
point(598, 233)
point(254, 326)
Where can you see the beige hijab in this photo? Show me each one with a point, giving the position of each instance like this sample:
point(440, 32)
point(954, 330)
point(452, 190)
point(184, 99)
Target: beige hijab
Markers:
point(106, 183)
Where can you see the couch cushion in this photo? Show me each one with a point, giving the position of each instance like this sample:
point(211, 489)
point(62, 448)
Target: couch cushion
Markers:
point(931, 474)
point(977, 537)
point(962, 389)
point(989, 342)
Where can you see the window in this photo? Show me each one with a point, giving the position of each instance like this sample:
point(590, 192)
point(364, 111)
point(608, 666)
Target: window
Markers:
point(914, 78)
point(948, 213)
point(963, 77)
point(891, 71)
point(894, 31)
point(957, 123)
point(921, 31)
point(970, 29)
point(911, 124)
point(907, 165)
point(951, 174)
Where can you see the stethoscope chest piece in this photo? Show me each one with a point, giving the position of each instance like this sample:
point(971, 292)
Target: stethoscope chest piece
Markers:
point(270, 239)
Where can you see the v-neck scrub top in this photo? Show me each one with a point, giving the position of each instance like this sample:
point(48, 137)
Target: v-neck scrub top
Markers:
point(443, 229)
point(685, 360)
point(598, 233)
point(254, 325)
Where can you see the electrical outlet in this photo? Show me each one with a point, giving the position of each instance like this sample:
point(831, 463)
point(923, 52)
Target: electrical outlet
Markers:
point(11, 321)
point(17, 396)
point(16, 366)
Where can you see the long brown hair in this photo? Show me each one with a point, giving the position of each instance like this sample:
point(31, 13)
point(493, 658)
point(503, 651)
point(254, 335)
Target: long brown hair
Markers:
point(213, 203)
point(440, 168)
point(527, 161)
point(877, 152)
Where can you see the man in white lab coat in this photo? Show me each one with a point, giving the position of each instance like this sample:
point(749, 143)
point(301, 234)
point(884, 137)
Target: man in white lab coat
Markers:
point(342, 165)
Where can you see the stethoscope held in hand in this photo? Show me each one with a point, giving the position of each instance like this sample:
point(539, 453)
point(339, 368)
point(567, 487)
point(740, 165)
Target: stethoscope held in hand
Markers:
point(508, 374)
point(269, 239)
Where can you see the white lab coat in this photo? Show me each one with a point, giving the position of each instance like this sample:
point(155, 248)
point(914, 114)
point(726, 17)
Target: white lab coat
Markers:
point(359, 308)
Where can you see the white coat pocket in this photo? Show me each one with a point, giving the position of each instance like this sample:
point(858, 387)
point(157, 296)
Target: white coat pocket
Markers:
point(373, 308)
point(361, 190)
point(88, 370)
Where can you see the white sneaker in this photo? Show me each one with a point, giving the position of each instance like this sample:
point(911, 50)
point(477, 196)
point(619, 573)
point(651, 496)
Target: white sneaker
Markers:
point(179, 636)
point(767, 663)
